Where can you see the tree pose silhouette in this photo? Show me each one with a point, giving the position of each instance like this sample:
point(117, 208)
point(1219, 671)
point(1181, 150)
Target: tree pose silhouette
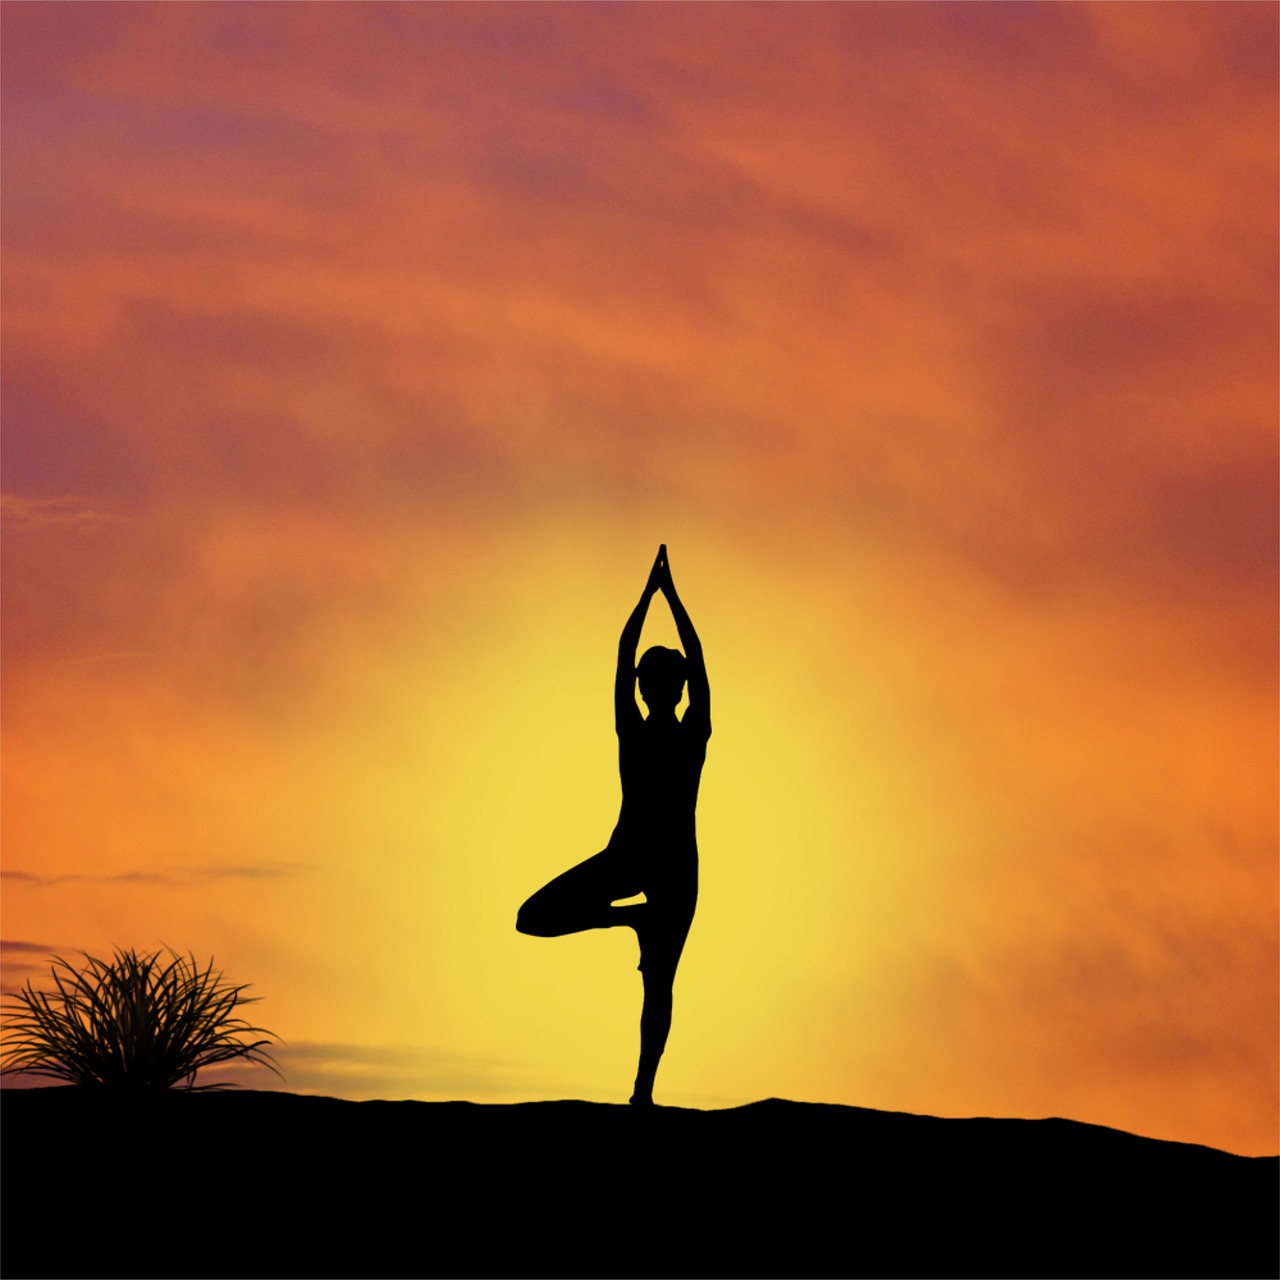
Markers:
point(654, 846)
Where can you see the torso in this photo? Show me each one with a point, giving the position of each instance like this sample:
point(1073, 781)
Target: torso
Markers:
point(661, 767)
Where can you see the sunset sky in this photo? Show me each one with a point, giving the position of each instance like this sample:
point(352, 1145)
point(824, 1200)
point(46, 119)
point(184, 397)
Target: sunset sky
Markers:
point(356, 359)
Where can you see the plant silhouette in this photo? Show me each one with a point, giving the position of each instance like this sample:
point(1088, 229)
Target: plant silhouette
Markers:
point(136, 1022)
point(653, 850)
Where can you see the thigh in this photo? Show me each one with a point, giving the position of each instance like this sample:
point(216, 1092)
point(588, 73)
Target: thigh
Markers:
point(663, 936)
point(596, 882)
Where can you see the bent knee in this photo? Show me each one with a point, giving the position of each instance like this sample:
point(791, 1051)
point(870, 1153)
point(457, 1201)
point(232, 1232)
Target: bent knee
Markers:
point(532, 920)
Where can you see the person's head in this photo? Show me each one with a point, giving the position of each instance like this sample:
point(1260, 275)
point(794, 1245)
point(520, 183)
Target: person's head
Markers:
point(661, 675)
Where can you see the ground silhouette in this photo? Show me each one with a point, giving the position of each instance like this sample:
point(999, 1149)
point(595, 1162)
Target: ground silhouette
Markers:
point(275, 1184)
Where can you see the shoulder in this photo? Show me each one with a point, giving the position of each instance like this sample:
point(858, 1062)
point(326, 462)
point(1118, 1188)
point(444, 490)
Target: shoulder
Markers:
point(628, 721)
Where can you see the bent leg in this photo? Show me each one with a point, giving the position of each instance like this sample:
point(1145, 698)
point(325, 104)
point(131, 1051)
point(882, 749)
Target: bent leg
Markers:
point(580, 898)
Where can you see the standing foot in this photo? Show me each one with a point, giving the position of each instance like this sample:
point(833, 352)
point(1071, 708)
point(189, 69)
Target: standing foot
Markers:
point(639, 1099)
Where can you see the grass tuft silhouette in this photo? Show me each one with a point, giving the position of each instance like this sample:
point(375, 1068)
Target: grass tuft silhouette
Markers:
point(136, 1022)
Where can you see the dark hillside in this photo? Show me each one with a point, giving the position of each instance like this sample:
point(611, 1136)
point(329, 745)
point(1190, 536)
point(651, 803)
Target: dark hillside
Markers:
point(273, 1184)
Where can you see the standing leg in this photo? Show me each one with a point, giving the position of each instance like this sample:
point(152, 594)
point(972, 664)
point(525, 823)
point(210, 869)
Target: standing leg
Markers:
point(655, 1023)
point(661, 942)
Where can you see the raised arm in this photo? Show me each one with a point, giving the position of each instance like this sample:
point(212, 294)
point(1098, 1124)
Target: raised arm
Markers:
point(624, 683)
point(696, 669)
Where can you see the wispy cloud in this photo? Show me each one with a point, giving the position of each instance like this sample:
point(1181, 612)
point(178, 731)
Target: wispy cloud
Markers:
point(19, 960)
point(172, 879)
point(382, 1071)
point(54, 513)
point(366, 1072)
point(10, 949)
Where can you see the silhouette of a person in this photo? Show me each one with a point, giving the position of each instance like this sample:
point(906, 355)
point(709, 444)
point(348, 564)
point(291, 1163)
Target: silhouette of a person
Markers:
point(654, 847)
